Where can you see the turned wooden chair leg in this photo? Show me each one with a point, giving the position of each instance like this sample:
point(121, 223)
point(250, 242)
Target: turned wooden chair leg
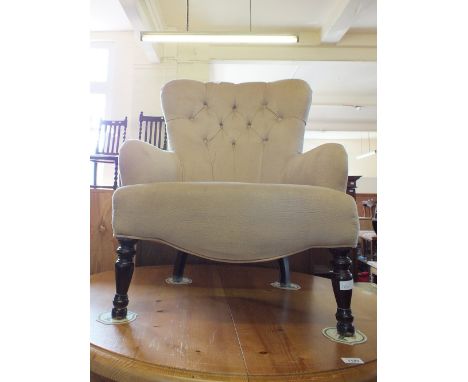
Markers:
point(285, 276)
point(95, 175)
point(178, 271)
point(123, 276)
point(116, 173)
point(342, 282)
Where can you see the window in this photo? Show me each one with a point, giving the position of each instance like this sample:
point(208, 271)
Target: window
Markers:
point(99, 75)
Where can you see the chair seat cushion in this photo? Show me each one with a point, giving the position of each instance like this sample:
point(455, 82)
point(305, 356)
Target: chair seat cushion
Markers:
point(236, 222)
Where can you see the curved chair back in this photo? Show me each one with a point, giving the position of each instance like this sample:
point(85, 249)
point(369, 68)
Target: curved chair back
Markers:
point(236, 132)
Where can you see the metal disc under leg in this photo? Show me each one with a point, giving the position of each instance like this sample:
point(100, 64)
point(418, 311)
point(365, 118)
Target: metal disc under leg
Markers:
point(285, 277)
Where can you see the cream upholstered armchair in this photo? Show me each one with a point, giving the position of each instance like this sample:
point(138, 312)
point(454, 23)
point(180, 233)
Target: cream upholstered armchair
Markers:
point(236, 186)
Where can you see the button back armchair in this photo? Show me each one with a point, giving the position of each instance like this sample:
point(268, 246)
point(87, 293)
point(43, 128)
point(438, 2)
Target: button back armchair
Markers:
point(235, 186)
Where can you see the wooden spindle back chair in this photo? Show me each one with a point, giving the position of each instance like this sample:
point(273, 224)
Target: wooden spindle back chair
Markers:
point(110, 135)
point(153, 131)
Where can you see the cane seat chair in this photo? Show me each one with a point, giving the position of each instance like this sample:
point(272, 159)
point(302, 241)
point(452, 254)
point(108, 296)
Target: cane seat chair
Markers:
point(236, 186)
point(110, 135)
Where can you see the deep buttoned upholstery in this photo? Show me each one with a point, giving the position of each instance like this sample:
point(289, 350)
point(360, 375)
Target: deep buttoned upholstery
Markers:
point(235, 185)
point(238, 133)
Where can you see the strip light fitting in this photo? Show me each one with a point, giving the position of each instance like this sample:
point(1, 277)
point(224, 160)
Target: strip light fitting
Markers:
point(370, 153)
point(218, 38)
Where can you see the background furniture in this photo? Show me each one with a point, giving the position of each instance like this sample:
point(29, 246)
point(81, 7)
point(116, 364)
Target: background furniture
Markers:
point(153, 130)
point(351, 185)
point(369, 207)
point(360, 198)
point(236, 146)
point(110, 135)
point(102, 241)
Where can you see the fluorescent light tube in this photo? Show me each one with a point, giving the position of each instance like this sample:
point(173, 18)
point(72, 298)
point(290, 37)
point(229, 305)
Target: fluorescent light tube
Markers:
point(370, 153)
point(218, 38)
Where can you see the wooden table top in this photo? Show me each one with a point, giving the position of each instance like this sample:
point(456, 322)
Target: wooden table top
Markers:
point(228, 325)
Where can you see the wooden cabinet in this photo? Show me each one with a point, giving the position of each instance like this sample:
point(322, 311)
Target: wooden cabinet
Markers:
point(351, 186)
point(102, 242)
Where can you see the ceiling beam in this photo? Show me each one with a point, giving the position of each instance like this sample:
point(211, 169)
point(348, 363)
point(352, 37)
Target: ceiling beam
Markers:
point(341, 19)
point(204, 52)
point(142, 17)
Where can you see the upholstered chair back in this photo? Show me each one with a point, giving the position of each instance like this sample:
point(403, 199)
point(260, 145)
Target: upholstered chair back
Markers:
point(235, 132)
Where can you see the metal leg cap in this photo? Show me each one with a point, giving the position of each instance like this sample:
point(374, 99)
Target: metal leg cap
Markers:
point(333, 335)
point(290, 286)
point(106, 318)
point(183, 281)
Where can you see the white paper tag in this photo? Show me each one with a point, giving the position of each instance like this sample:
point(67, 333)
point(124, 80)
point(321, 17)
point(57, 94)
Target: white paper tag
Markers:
point(353, 360)
point(346, 285)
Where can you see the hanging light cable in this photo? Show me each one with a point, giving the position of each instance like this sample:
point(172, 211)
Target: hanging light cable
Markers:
point(218, 38)
point(370, 152)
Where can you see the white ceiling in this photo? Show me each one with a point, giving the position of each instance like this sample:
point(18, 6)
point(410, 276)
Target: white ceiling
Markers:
point(108, 15)
point(337, 85)
point(228, 15)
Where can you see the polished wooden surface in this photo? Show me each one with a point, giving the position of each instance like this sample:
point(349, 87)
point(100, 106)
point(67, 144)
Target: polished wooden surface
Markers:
point(228, 325)
point(102, 242)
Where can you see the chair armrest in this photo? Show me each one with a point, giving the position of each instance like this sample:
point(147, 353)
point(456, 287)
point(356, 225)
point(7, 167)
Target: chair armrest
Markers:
point(325, 166)
point(141, 162)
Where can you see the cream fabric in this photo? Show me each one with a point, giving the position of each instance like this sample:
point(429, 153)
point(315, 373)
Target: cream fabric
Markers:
point(239, 133)
point(236, 222)
point(236, 186)
point(326, 166)
point(141, 162)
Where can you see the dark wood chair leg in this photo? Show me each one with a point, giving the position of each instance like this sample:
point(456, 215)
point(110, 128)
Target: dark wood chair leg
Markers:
point(179, 266)
point(285, 276)
point(342, 282)
point(116, 172)
point(178, 271)
point(354, 266)
point(123, 276)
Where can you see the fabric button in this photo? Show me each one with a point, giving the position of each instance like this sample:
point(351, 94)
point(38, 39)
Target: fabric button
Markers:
point(205, 140)
point(221, 125)
point(233, 143)
point(249, 124)
point(265, 139)
point(234, 107)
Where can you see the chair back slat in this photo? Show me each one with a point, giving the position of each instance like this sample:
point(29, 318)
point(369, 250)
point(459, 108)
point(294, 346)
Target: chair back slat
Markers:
point(154, 127)
point(109, 134)
point(159, 136)
point(146, 131)
point(150, 132)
